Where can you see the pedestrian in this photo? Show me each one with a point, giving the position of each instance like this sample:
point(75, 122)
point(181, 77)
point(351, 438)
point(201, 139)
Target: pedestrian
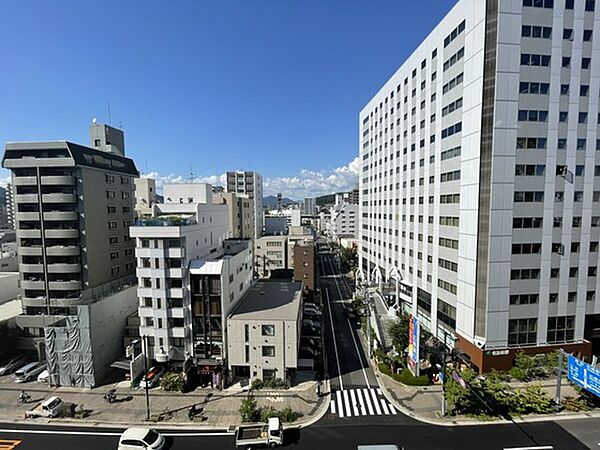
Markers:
point(318, 388)
point(72, 409)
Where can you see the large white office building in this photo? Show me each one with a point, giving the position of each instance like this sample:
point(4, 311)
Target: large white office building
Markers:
point(480, 184)
point(251, 184)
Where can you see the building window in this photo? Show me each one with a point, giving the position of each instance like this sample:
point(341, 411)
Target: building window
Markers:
point(268, 350)
point(522, 331)
point(267, 330)
point(561, 329)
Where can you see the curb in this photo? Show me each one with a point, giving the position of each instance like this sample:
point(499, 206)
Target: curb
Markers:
point(319, 415)
point(454, 422)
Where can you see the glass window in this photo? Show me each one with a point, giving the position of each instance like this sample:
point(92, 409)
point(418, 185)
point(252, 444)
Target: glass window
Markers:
point(268, 350)
point(267, 330)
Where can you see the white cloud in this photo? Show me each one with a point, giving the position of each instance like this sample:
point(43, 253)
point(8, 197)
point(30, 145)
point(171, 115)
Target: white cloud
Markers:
point(307, 183)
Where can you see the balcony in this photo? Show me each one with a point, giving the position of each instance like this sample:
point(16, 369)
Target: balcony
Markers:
point(59, 198)
point(26, 198)
point(165, 221)
point(176, 313)
point(64, 268)
point(175, 253)
point(27, 216)
point(27, 162)
point(33, 268)
point(143, 272)
point(62, 234)
point(66, 180)
point(31, 284)
point(30, 251)
point(60, 215)
point(145, 311)
point(24, 181)
point(29, 233)
point(175, 272)
point(178, 332)
point(60, 250)
point(64, 285)
point(175, 292)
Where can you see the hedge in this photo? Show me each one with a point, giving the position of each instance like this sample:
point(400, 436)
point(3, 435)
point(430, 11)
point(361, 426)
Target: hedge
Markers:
point(404, 377)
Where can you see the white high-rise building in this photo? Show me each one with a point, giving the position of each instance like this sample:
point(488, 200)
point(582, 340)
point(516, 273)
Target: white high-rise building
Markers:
point(251, 184)
point(190, 276)
point(479, 186)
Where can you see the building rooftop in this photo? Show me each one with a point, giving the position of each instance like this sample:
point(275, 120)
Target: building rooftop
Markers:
point(270, 300)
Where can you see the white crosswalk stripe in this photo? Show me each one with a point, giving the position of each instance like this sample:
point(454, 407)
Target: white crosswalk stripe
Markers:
point(340, 407)
point(360, 402)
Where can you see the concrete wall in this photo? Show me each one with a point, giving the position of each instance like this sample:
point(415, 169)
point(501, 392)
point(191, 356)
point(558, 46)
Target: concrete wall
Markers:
point(9, 286)
point(187, 193)
point(108, 318)
point(94, 224)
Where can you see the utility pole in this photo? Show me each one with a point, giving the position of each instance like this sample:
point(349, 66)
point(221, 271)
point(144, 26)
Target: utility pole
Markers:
point(368, 304)
point(145, 339)
point(559, 374)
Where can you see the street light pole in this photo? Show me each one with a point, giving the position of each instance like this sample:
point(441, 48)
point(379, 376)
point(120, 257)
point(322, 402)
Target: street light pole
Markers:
point(145, 340)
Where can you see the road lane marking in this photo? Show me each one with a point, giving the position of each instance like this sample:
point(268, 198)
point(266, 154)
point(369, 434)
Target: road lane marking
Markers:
point(375, 401)
point(384, 406)
point(354, 404)
point(338, 396)
point(392, 409)
point(379, 391)
point(352, 333)
point(9, 444)
point(347, 404)
point(337, 358)
point(332, 406)
point(107, 433)
point(368, 400)
point(363, 410)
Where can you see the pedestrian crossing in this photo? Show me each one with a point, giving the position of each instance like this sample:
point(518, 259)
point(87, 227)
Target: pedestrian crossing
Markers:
point(360, 402)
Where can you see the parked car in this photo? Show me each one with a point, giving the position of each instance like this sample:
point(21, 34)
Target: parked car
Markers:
point(312, 323)
point(141, 438)
point(29, 372)
point(308, 314)
point(311, 342)
point(43, 376)
point(312, 307)
point(153, 377)
point(308, 330)
point(14, 364)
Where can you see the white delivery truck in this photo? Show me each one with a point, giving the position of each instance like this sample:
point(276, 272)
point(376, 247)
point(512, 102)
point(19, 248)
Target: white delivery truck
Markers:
point(260, 435)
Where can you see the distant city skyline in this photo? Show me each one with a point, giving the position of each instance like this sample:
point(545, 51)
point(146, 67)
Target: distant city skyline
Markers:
point(274, 87)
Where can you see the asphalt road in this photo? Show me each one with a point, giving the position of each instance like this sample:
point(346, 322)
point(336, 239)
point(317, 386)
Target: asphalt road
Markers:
point(342, 436)
point(349, 372)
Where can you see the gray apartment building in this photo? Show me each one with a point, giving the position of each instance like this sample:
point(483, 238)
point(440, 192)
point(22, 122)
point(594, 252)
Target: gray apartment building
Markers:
point(480, 180)
point(251, 184)
point(73, 206)
point(264, 331)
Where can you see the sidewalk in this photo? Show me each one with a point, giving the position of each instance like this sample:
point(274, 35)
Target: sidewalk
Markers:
point(425, 403)
point(220, 408)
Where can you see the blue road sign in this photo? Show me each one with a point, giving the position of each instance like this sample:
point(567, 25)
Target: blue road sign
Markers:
point(584, 375)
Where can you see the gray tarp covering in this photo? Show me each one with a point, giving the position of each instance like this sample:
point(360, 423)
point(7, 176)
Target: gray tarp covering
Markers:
point(69, 352)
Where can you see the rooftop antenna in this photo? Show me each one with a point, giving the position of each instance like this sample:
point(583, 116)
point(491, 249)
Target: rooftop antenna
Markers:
point(191, 174)
point(109, 119)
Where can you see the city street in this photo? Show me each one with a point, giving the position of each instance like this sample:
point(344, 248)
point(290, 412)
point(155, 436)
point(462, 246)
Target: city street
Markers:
point(359, 412)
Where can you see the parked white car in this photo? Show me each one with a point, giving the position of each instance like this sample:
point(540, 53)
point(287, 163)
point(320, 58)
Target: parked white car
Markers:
point(141, 438)
point(43, 377)
point(29, 372)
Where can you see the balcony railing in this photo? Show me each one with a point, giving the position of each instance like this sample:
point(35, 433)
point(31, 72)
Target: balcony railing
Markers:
point(165, 221)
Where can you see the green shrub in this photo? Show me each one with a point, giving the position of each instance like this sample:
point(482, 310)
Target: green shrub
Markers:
point(172, 381)
point(270, 383)
point(384, 368)
point(532, 400)
point(248, 410)
point(406, 377)
point(575, 404)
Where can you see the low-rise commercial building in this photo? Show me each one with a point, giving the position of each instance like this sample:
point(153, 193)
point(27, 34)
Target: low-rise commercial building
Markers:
point(264, 331)
point(270, 252)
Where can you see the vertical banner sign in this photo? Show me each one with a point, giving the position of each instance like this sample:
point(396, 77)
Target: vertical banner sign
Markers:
point(413, 345)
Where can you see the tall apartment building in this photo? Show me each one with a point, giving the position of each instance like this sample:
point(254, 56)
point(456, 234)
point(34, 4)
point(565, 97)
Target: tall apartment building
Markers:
point(189, 275)
point(309, 206)
point(251, 184)
point(240, 213)
point(479, 183)
point(73, 206)
point(354, 196)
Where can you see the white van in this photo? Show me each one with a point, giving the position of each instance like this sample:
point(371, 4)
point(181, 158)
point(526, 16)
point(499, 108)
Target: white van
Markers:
point(29, 372)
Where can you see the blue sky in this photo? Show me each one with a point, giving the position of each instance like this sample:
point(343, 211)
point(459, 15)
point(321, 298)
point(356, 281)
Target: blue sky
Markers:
point(274, 86)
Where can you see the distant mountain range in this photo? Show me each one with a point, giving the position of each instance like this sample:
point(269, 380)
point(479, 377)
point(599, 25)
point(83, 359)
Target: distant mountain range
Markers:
point(271, 201)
